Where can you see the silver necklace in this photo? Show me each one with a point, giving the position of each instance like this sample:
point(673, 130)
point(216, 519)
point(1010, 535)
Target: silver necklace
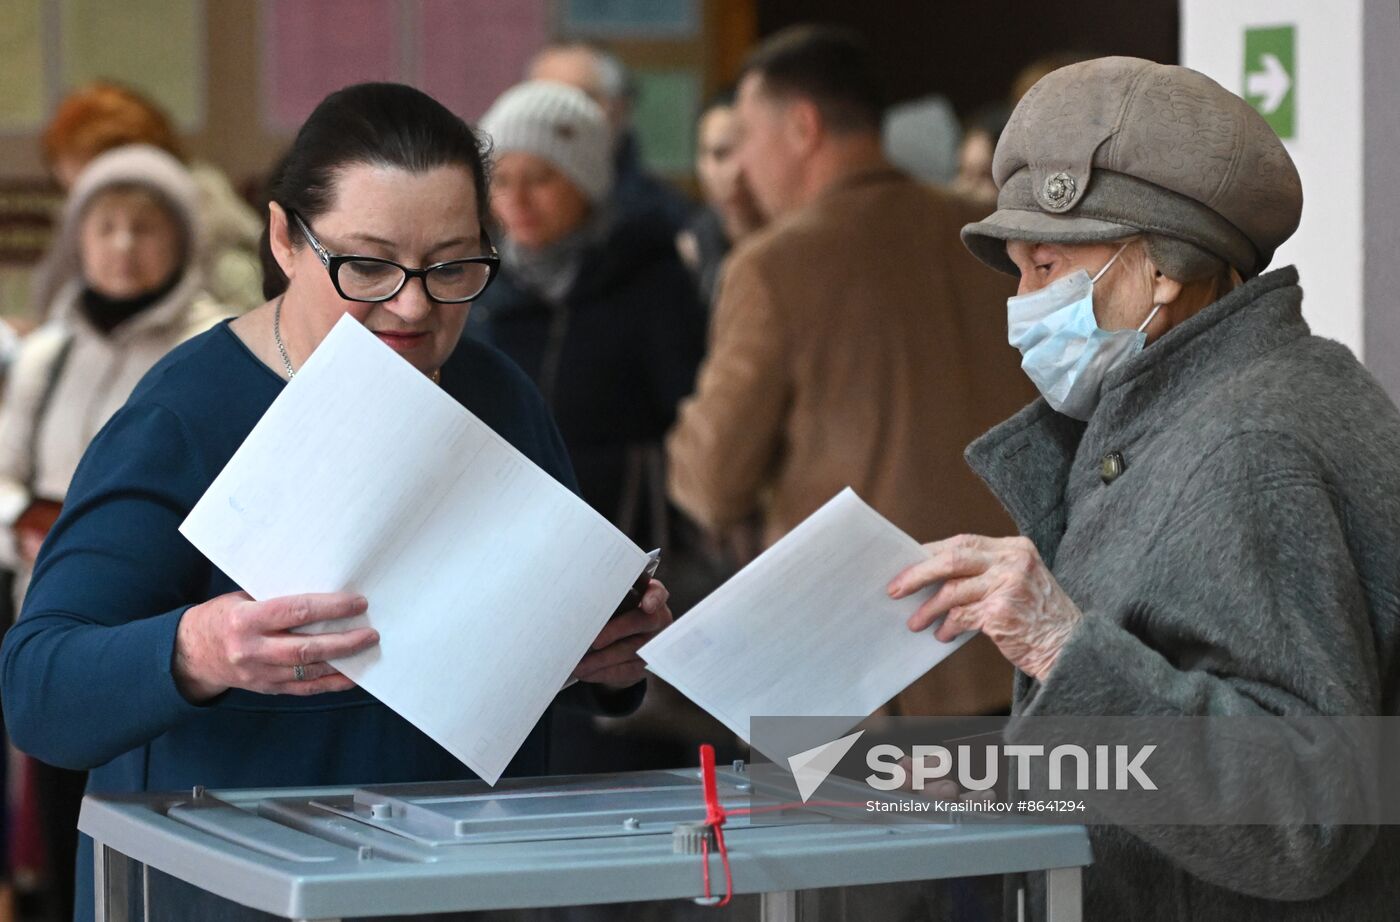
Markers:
point(435, 377)
point(277, 335)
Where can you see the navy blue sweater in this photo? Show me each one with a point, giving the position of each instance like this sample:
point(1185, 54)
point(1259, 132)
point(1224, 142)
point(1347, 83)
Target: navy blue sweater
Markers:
point(87, 679)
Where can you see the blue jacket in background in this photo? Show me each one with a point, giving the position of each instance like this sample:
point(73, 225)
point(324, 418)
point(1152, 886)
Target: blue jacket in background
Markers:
point(613, 357)
point(637, 191)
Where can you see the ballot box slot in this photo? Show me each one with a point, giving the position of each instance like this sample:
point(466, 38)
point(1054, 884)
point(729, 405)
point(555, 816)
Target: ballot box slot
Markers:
point(357, 837)
point(433, 791)
point(233, 824)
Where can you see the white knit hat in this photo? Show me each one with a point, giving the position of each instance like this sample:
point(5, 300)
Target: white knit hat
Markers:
point(133, 164)
point(559, 123)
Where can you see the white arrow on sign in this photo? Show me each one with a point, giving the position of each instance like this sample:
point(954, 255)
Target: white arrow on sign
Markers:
point(810, 768)
point(1272, 83)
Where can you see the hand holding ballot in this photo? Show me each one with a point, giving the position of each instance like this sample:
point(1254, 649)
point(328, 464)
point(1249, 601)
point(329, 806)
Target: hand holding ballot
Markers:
point(998, 586)
point(826, 620)
point(612, 660)
point(234, 641)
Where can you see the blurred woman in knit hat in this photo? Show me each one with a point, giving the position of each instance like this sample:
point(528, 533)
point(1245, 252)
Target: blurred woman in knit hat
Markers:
point(101, 116)
point(1209, 495)
point(128, 289)
point(595, 305)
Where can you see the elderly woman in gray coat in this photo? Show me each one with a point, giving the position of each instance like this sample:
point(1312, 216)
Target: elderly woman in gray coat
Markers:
point(1208, 495)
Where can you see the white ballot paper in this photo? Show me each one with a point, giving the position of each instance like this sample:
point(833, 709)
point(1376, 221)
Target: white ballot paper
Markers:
point(807, 629)
point(486, 578)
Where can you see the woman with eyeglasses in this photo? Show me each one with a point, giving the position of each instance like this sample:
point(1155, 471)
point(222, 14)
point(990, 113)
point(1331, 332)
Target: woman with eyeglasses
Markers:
point(136, 657)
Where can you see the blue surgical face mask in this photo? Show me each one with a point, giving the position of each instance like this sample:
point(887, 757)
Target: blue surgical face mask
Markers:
point(1062, 348)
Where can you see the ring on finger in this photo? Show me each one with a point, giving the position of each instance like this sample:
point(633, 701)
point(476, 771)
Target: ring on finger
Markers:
point(299, 672)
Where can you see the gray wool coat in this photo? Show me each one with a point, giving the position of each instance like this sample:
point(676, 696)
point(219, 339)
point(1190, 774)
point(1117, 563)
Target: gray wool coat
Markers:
point(1245, 561)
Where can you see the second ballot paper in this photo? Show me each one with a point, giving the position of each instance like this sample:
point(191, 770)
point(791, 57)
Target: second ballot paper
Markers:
point(487, 579)
point(807, 629)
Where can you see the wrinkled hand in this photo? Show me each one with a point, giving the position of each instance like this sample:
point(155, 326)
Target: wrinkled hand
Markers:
point(235, 642)
point(613, 659)
point(998, 586)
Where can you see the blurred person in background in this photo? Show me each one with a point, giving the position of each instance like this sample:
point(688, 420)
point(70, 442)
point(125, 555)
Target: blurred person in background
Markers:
point(592, 301)
point(980, 135)
point(606, 80)
point(729, 213)
point(850, 339)
point(100, 116)
point(129, 288)
point(921, 137)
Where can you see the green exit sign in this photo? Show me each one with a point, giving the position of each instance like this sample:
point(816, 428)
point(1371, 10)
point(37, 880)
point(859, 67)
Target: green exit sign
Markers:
point(1271, 76)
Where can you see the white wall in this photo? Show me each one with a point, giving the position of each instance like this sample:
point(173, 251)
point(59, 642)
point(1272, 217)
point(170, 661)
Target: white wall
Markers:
point(1329, 141)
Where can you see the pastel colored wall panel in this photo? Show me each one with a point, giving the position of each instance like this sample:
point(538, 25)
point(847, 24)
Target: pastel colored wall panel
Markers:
point(155, 46)
point(21, 65)
point(664, 117)
point(314, 47)
point(472, 50)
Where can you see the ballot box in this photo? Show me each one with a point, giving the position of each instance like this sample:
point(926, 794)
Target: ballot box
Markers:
point(437, 851)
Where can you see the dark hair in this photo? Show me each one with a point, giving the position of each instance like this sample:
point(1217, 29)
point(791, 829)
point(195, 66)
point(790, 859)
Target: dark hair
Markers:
point(380, 124)
point(991, 119)
point(831, 67)
point(722, 98)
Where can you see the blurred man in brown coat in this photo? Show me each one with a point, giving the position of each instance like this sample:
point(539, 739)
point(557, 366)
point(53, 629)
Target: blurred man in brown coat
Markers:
point(854, 342)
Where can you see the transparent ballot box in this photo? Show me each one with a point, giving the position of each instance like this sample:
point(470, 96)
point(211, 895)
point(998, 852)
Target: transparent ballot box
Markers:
point(527, 847)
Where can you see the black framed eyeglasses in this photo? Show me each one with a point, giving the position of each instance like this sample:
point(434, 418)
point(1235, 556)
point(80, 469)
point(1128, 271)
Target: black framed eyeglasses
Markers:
point(371, 279)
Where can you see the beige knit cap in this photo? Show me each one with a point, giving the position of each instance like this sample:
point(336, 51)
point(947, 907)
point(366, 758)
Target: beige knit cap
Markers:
point(558, 123)
point(141, 165)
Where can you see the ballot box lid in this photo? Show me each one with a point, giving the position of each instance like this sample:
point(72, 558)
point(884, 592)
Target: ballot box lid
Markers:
point(532, 809)
point(347, 852)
